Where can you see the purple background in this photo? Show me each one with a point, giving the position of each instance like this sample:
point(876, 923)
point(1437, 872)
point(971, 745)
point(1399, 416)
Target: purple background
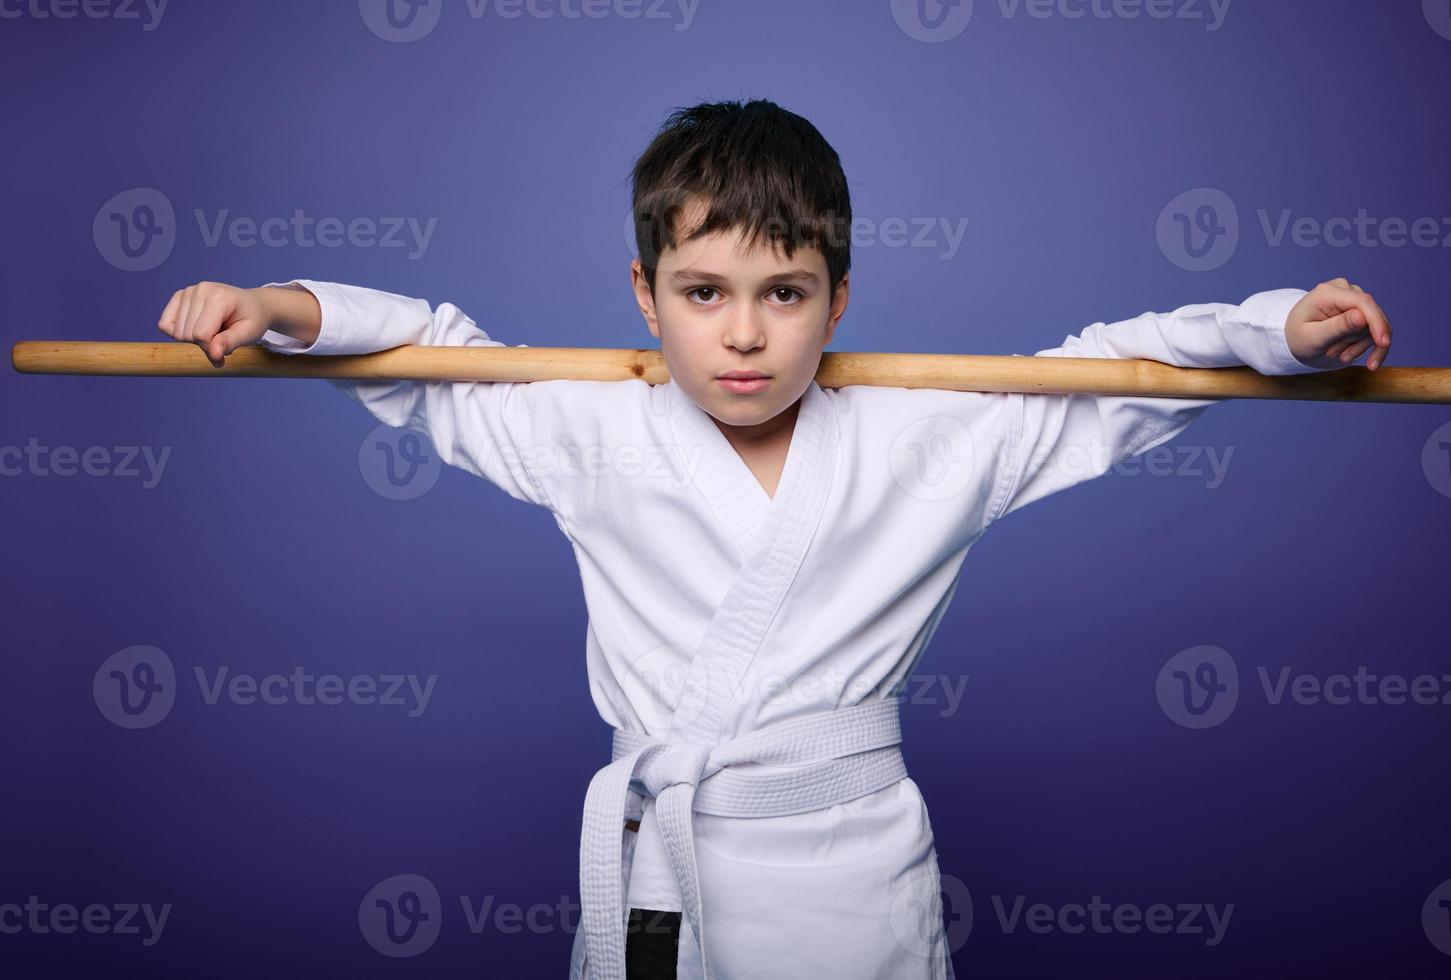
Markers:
point(1059, 777)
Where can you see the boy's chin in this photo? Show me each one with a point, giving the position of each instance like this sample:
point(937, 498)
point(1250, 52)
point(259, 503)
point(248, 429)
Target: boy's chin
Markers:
point(743, 411)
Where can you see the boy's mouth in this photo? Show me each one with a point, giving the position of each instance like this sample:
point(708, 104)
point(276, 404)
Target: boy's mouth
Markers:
point(744, 382)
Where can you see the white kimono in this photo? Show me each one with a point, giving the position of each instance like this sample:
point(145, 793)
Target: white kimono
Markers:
point(726, 626)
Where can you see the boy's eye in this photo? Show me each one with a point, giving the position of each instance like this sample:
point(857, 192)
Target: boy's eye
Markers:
point(777, 291)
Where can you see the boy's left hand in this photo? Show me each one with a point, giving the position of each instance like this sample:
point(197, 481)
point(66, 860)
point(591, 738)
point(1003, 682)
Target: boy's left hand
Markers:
point(1335, 323)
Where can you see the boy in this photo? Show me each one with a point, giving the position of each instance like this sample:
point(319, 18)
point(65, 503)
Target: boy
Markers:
point(756, 607)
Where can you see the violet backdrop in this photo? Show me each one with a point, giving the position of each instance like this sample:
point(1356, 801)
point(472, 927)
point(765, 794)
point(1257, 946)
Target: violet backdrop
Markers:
point(1016, 175)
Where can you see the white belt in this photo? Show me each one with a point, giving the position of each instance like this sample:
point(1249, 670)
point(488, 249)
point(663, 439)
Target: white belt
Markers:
point(842, 754)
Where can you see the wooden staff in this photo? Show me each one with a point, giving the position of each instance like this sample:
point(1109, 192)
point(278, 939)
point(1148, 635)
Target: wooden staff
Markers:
point(956, 372)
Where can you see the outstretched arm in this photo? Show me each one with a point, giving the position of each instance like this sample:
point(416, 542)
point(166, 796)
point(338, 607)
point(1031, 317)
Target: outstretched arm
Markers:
point(1061, 440)
point(484, 428)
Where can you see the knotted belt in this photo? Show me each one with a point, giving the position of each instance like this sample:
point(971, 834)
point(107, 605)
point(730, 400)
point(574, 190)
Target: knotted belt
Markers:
point(839, 755)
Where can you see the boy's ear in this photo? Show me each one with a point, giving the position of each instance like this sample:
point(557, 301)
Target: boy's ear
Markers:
point(838, 306)
point(643, 297)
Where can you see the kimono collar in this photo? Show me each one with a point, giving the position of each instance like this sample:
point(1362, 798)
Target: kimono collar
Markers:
point(722, 476)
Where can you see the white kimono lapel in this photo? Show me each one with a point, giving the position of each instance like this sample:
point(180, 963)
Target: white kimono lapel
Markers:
point(739, 501)
point(774, 534)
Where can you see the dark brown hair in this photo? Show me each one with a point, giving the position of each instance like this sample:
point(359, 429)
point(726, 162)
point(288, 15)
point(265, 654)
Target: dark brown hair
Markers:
point(758, 167)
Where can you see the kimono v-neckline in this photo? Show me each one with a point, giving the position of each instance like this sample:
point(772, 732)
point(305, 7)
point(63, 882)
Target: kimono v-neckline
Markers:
point(724, 478)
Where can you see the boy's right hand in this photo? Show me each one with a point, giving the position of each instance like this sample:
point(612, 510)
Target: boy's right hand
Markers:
point(216, 317)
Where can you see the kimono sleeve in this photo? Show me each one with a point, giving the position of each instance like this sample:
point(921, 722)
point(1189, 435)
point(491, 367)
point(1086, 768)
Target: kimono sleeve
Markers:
point(483, 428)
point(1061, 440)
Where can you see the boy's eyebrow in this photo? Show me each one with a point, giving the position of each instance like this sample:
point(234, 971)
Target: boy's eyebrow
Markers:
point(798, 274)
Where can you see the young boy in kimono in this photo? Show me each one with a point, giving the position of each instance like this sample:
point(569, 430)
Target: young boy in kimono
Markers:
point(799, 545)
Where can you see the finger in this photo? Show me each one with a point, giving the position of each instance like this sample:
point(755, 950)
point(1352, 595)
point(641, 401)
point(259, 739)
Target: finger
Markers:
point(1353, 353)
point(167, 321)
point(1351, 298)
point(1344, 327)
point(1377, 321)
point(212, 328)
point(1340, 345)
point(187, 298)
point(209, 318)
point(195, 317)
point(219, 346)
point(1377, 358)
point(206, 346)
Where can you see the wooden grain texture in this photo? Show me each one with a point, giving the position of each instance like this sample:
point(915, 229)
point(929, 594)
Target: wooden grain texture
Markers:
point(839, 369)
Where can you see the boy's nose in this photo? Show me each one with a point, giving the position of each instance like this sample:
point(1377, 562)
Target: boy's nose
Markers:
point(745, 333)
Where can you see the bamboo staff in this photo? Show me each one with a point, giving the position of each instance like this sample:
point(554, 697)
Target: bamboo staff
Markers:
point(957, 372)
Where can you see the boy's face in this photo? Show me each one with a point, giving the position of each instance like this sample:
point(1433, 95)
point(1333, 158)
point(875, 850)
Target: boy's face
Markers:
point(718, 308)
